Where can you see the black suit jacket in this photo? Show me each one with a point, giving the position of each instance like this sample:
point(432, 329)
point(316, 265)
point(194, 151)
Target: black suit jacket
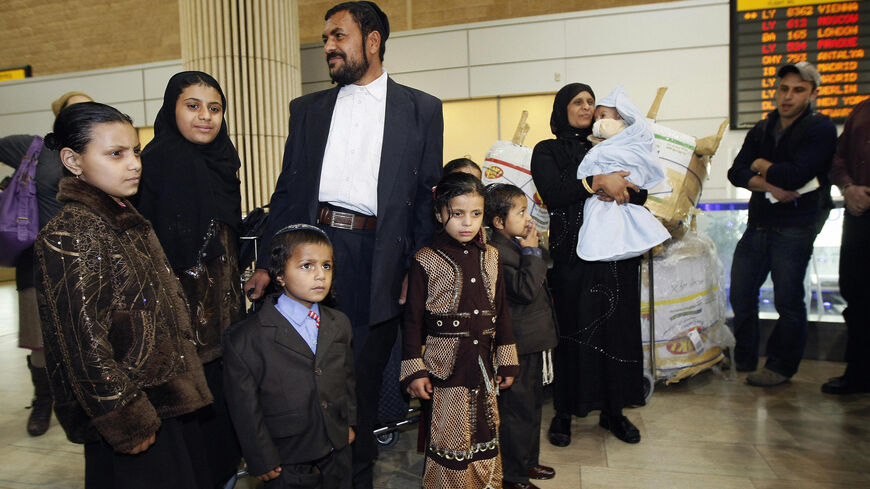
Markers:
point(411, 161)
point(287, 404)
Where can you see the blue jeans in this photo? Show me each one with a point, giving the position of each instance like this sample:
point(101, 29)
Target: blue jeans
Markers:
point(785, 254)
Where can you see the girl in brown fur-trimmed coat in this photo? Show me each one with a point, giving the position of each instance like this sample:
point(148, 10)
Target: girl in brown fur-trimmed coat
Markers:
point(456, 301)
point(119, 348)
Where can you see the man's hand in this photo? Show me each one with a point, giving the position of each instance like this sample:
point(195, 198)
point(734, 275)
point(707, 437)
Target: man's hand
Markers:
point(760, 165)
point(351, 435)
point(857, 199)
point(143, 446)
point(255, 285)
point(420, 388)
point(783, 196)
point(272, 474)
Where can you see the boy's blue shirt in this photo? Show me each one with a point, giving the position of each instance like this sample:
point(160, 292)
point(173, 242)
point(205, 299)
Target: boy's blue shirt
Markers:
point(297, 315)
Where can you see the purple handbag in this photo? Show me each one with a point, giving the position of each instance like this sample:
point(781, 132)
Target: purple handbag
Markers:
point(19, 218)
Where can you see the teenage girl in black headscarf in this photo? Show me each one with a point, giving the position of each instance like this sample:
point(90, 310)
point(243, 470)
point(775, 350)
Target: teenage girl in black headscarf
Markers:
point(190, 193)
point(599, 360)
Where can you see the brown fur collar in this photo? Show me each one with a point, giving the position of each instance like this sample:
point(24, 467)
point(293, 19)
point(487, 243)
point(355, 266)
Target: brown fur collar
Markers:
point(122, 218)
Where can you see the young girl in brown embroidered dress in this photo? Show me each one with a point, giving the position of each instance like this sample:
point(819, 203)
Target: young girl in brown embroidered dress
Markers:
point(456, 302)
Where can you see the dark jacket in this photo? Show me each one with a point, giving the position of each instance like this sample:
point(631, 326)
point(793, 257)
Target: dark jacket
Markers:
point(853, 149)
point(525, 284)
point(410, 166)
point(118, 343)
point(456, 307)
point(287, 404)
point(804, 152)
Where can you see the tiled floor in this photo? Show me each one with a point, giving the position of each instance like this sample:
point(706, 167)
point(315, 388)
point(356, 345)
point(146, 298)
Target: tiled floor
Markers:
point(705, 432)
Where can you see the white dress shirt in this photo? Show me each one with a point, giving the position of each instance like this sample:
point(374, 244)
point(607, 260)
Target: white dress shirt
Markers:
point(349, 176)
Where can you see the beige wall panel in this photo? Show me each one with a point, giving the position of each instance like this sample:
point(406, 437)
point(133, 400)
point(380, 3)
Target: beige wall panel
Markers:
point(444, 84)
point(57, 36)
point(442, 50)
point(647, 31)
point(539, 108)
point(517, 78)
point(470, 127)
point(521, 42)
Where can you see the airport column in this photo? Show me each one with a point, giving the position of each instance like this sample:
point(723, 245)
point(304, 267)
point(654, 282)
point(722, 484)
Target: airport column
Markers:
point(252, 48)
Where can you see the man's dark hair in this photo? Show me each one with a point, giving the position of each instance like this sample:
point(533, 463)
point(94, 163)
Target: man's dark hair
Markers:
point(499, 201)
point(369, 17)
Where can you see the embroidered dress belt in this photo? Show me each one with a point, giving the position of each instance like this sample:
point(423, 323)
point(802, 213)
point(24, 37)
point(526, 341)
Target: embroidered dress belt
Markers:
point(346, 220)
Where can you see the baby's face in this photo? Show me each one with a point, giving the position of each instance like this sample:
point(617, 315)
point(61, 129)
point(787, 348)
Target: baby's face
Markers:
point(602, 112)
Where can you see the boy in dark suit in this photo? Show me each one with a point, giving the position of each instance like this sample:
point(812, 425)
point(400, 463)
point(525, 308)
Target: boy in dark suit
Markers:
point(288, 372)
point(525, 274)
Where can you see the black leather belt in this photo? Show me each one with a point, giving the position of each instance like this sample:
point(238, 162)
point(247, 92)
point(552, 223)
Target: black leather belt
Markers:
point(346, 220)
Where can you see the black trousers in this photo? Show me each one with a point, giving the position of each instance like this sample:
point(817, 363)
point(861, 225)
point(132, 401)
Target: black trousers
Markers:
point(520, 410)
point(353, 251)
point(333, 472)
point(176, 459)
point(855, 289)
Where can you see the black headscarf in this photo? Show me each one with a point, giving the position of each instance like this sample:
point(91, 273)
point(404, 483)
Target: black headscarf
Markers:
point(559, 117)
point(186, 186)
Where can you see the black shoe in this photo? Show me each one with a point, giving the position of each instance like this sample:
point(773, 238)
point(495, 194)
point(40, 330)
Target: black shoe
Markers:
point(840, 386)
point(541, 472)
point(621, 428)
point(560, 431)
point(40, 414)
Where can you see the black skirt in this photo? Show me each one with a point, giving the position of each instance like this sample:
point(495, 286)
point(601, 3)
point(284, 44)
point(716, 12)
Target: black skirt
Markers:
point(176, 459)
point(599, 361)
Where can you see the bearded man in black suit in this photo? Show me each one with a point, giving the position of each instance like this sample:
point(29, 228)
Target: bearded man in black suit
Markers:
point(360, 162)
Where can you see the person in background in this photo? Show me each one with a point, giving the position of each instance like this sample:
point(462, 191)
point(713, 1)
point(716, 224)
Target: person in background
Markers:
point(49, 171)
point(525, 277)
point(851, 173)
point(784, 161)
point(466, 165)
point(191, 193)
point(119, 347)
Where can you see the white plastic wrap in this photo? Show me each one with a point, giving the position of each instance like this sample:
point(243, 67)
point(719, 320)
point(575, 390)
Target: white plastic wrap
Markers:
point(690, 329)
point(507, 162)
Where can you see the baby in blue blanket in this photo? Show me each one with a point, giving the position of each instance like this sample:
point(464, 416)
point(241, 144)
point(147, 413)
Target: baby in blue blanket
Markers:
point(612, 231)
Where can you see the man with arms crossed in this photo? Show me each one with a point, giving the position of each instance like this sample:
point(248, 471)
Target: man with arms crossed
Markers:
point(783, 158)
point(360, 162)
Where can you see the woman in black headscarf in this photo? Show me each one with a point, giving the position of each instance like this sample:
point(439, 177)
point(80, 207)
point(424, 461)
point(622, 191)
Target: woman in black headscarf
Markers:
point(190, 193)
point(599, 360)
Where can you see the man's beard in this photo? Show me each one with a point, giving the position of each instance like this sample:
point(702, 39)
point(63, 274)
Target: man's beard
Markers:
point(350, 71)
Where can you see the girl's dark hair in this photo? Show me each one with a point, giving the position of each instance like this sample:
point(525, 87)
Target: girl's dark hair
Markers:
point(458, 164)
point(454, 185)
point(285, 242)
point(73, 127)
point(499, 201)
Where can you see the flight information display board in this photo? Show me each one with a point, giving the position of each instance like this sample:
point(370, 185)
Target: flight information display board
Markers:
point(766, 34)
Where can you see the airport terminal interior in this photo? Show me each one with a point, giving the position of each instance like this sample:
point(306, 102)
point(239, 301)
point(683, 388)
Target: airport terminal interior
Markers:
point(703, 68)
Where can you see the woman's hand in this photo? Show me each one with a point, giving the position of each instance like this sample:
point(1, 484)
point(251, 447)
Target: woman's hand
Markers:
point(420, 388)
point(351, 435)
point(143, 446)
point(614, 185)
point(504, 382)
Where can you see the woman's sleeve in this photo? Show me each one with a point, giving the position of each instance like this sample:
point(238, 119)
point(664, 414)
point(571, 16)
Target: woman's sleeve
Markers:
point(555, 190)
point(506, 359)
point(74, 279)
point(412, 367)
